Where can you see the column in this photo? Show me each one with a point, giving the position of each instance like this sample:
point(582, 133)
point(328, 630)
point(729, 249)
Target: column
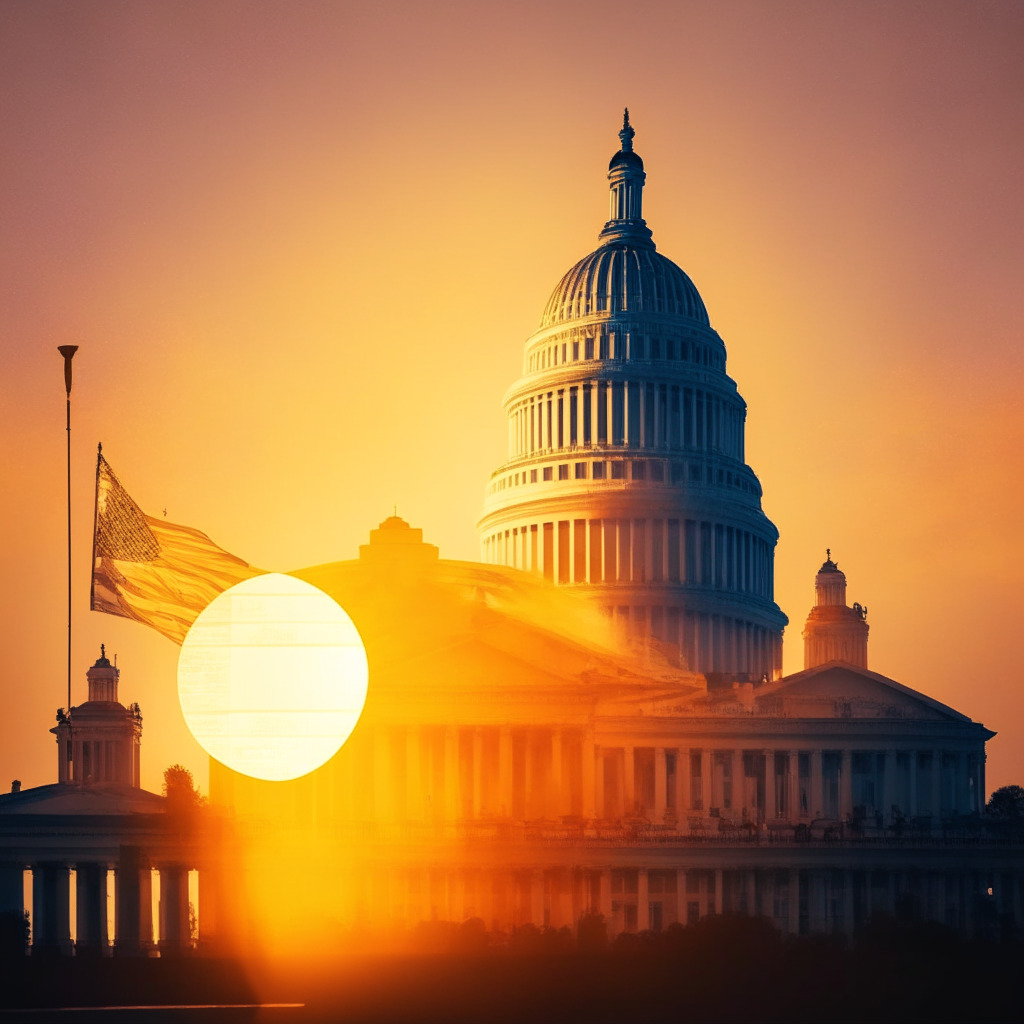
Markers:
point(814, 810)
point(146, 907)
point(12, 887)
point(705, 780)
point(587, 775)
point(413, 775)
point(127, 900)
point(530, 801)
point(846, 784)
point(750, 889)
point(643, 903)
point(738, 783)
point(628, 784)
point(556, 801)
point(478, 770)
point(451, 773)
point(537, 898)
point(91, 910)
point(794, 903)
point(793, 784)
point(682, 785)
point(848, 902)
point(605, 891)
point(660, 781)
point(51, 908)
point(381, 810)
point(505, 770)
point(174, 923)
point(600, 810)
point(888, 785)
point(769, 785)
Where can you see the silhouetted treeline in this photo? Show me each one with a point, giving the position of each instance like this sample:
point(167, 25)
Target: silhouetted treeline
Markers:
point(728, 969)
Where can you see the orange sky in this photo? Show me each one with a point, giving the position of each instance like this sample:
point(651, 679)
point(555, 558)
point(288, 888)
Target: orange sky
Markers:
point(301, 245)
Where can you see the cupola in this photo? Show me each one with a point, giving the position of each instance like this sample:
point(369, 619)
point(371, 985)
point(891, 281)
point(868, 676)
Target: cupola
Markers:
point(833, 631)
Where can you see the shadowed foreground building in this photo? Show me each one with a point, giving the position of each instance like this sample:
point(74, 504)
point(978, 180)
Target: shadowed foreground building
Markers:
point(94, 842)
point(519, 760)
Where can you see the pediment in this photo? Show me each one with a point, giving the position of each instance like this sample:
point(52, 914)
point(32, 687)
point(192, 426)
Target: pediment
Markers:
point(840, 690)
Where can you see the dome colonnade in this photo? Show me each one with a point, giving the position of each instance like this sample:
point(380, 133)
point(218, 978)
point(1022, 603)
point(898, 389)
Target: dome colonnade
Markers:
point(625, 470)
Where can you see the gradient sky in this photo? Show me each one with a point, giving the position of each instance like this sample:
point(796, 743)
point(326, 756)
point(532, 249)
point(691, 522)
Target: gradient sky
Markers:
point(301, 244)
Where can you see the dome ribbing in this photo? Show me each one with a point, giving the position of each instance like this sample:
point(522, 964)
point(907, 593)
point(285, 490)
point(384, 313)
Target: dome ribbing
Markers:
point(621, 278)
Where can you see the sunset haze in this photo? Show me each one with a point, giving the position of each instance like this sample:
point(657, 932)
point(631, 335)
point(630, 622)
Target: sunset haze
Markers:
point(300, 247)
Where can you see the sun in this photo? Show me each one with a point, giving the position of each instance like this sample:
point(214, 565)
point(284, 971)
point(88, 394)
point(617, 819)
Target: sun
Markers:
point(272, 677)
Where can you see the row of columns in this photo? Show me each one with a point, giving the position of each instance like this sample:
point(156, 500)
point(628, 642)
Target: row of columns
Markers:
point(133, 896)
point(535, 773)
point(639, 414)
point(623, 344)
point(799, 901)
point(690, 551)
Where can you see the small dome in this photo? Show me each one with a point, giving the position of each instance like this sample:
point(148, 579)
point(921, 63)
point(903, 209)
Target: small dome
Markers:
point(828, 565)
point(621, 278)
point(626, 159)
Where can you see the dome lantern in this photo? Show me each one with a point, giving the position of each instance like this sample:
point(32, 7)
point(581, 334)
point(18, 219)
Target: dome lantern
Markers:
point(626, 179)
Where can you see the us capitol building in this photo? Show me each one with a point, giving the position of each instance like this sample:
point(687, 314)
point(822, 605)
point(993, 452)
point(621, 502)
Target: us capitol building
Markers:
point(593, 719)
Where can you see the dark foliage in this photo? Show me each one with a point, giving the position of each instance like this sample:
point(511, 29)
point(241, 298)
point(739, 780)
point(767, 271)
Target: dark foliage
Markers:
point(1007, 804)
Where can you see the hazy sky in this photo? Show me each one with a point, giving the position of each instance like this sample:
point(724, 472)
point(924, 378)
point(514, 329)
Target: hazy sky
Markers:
point(301, 244)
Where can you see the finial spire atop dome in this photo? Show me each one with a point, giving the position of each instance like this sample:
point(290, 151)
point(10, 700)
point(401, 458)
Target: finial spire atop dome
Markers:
point(627, 133)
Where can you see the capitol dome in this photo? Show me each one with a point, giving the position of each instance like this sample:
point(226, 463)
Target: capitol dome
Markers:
point(626, 474)
point(624, 278)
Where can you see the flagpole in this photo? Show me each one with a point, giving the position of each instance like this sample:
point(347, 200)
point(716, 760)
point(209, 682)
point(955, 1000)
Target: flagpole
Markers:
point(68, 352)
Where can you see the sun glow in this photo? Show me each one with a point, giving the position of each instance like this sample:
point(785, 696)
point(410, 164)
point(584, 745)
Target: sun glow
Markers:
point(272, 677)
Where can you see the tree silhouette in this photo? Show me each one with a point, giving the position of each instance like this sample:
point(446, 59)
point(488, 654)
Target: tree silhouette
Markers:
point(180, 788)
point(1007, 803)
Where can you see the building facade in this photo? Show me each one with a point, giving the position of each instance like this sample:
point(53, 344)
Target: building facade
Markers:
point(512, 764)
point(521, 761)
point(101, 864)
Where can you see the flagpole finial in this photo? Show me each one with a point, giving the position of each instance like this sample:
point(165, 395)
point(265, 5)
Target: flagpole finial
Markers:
point(68, 352)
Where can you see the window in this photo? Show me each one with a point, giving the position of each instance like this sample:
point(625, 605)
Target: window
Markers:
point(547, 472)
point(618, 471)
point(575, 351)
point(598, 470)
point(563, 471)
point(657, 470)
point(581, 471)
point(533, 476)
point(639, 470)
point(588, 348)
